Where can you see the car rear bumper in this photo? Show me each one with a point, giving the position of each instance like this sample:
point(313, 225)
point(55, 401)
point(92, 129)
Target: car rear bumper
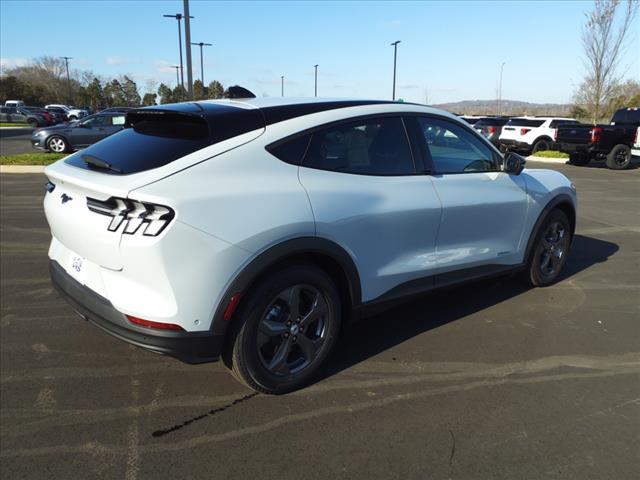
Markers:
point(572, 147)
point(189, 347)
point(514, 144)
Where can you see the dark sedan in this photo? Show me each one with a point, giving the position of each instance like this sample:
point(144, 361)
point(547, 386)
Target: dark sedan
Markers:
point(79, 134)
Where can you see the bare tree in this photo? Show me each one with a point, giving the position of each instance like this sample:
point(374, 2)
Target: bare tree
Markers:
point(603, 37)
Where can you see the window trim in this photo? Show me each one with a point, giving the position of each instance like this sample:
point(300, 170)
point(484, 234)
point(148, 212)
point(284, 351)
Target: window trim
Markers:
point(496, 156)
point(311, 131)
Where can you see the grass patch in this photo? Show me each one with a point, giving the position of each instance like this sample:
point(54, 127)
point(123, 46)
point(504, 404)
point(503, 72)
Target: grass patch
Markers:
point(551, 154)
point(13, 124)
point(36, 158)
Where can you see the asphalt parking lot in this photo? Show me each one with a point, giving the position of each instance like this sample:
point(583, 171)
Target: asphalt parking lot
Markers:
point(15, 140)
point(487, 381)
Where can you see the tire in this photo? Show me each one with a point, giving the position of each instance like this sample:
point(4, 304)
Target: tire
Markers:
point(541, 145)
point(72, 118)
point(266, 351)
point(619, 157)
point(549, 252)
point(579, 159)
point(33, 123)
point(57, 144)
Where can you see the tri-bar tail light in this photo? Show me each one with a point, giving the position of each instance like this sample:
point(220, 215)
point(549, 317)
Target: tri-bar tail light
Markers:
point(150, 218)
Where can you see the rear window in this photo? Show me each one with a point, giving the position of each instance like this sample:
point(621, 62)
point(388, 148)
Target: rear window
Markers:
point(626, 115)
point(524, 122)
point(154, 138)
point(491, 122)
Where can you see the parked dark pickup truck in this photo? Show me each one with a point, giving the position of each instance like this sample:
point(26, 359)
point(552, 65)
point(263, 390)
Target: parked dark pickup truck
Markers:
point(612, 143)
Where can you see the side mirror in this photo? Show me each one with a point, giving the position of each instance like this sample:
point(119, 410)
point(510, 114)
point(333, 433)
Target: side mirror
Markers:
point(513, 164)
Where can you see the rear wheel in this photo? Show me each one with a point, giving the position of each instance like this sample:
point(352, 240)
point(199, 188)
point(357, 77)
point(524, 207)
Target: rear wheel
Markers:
point(286, 328)
point(72, 118)
point(57, 144)
point(550, 250)
point(619, 157)
point(580, 159)
point(33, 123)
point(541, 145)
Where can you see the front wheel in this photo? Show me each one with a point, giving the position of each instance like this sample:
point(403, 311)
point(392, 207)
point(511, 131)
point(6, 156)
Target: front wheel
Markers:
point(550, 250)
point(286, 328)
point(619, 157)
point(72, 118)
point(33, 123)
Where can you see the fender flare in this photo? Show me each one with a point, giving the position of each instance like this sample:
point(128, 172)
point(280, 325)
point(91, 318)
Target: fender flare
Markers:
point(561, 198)
point(278, 254)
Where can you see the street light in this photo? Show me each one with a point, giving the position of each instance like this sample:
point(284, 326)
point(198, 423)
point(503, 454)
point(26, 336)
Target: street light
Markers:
point(500, 90)
point(177, 67)
point(395, 55)
point(282, 84)
point(66, 62)
point(179, 17)
point(316, 83)
point(201, 44)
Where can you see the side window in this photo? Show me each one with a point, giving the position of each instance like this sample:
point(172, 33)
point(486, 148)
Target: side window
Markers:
point(376, 146)
point(455, 150)
point(291, 150)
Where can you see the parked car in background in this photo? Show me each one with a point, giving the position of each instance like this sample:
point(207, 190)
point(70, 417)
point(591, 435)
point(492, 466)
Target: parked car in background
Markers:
point(41, 111)
point(491, 128)
point(471, 119)
point(22, 115)
point(531, 134)
point(76, 135)
point(71, 112)
point(14, 103)
point(59, 114)
point(612, 143)
point(345, 206)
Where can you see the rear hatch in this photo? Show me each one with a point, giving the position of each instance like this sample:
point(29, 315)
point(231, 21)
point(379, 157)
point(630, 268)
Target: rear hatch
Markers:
point(516, 128)
point(156, 143)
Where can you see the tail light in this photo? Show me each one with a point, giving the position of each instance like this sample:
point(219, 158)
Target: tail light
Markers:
point(524, 131)
point(595, 134)
point(492, 130)
point(133, 214)
point(555, 134)
point(151, 324)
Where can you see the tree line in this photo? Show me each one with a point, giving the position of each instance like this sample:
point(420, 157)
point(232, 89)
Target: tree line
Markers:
point(44, 81)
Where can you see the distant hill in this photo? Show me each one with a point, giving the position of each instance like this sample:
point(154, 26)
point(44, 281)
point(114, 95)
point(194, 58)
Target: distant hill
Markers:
point(508, 107)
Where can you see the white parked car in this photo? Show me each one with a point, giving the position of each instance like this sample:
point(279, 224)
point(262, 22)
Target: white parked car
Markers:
point(251, 229)
point(531, 134)
point(72, 113)
point(14, 103)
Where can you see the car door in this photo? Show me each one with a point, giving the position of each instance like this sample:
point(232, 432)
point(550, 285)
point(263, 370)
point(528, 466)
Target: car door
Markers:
point(367, 196)
point(483, 208)
point(88, 131)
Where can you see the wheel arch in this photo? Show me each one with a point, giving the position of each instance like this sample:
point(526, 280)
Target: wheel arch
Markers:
point(323, 253)
point(562, 202)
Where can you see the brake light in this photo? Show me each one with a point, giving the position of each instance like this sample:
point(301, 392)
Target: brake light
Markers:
point(151, 324)
point(555, 134)
point(524, 131)
point(492, 130)
point(595, 134)
point(133, 215)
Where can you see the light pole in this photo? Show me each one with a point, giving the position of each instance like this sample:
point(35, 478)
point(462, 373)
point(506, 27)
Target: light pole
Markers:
point(395, 56)
point(177, 67)
point(316, 82)
point(66, 62)
point(500, 90)
point(201, 44)
point(282, 85)
point(179, 17)
point(187, 39)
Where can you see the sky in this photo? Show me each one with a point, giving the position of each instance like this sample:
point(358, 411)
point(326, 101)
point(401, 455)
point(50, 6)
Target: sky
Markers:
point(449, 51)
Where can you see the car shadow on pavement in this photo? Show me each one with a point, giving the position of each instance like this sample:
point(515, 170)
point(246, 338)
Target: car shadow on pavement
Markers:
point(365, 338)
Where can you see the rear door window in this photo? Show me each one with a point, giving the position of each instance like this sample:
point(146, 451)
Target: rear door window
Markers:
point(374, 146)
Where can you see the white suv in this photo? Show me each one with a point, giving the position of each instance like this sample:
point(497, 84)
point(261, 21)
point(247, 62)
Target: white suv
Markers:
point(531, 134)
point(251, 229)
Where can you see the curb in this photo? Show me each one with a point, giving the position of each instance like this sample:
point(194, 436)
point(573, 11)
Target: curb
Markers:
point(22, 168)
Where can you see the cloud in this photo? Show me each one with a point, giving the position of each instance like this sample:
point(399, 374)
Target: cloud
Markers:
point(276, 81)
point(118, 60)
point(163, 66)
point(13, 62)
point(410, 86)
